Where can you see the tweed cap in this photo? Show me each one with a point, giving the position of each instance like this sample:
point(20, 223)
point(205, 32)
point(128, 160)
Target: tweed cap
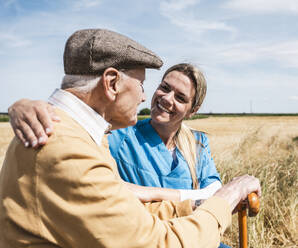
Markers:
point(91, 51)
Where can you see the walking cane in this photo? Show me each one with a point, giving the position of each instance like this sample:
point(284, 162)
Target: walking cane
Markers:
point(253, 209)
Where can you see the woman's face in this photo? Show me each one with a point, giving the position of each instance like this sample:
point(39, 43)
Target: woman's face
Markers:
point(172, 101)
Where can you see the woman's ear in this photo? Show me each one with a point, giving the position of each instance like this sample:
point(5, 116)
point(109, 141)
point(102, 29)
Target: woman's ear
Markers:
point(193, 112)
point(110, 79)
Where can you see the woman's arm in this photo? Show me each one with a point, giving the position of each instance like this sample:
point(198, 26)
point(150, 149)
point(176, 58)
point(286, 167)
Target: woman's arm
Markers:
point(200, 194)
point(149, 194)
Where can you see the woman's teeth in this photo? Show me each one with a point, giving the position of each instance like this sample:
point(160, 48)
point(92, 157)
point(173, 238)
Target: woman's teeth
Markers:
point(164, 109)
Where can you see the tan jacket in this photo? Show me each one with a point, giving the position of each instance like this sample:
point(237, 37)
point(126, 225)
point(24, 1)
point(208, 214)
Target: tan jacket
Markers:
point(69, 194)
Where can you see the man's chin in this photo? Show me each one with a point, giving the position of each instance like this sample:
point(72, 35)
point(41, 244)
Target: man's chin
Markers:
point(125, 123)
point(134, 121)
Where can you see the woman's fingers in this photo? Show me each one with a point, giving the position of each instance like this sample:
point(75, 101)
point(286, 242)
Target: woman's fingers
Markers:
point(31, 121)
point(21, 137)
point(45, 115)
point(35, 131)
point(27, 134)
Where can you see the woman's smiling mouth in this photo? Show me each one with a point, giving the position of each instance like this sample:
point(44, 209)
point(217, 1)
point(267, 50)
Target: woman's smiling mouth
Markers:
point(164, 109)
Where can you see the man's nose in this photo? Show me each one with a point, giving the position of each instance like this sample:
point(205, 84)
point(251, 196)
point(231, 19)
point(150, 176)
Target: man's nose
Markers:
point(143, 96)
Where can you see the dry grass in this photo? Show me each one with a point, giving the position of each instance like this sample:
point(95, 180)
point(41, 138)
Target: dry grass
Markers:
point(6, 135)
point(266, 147)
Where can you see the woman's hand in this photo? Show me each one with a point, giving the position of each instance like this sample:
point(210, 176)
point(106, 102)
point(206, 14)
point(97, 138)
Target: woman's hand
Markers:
point(32, 121)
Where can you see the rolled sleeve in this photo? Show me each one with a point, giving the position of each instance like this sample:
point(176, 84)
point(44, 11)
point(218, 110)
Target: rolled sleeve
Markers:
point(167, 210)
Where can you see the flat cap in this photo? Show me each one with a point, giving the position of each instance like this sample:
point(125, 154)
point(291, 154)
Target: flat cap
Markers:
point(91, 51)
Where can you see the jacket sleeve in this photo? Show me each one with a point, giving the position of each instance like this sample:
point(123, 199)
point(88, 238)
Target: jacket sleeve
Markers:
point(83, 203)
point(167, 209)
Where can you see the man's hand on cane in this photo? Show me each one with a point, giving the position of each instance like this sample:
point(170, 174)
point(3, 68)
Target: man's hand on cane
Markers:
point(238, 189)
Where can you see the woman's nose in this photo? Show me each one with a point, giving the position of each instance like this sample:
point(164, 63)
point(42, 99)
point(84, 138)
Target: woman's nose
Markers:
point(168, 98)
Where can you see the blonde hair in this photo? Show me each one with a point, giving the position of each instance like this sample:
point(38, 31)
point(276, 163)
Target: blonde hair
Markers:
point(184, 138)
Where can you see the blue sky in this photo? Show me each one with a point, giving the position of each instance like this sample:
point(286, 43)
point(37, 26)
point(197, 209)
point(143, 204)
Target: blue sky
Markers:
point(248, 50)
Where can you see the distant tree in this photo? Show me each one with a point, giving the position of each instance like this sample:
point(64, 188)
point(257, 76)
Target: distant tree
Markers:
point(144, 111)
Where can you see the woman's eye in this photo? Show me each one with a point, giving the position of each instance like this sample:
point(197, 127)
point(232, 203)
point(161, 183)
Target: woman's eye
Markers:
point(181, 99)
point(165, 88)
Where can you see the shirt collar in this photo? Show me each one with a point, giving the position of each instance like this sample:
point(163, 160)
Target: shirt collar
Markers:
point(90, 120)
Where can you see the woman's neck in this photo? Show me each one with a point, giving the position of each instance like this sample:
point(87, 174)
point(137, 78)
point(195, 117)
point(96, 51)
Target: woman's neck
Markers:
point(167, 133)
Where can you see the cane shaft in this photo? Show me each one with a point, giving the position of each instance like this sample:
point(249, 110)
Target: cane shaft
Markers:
point(254, 207)
point(242, 221)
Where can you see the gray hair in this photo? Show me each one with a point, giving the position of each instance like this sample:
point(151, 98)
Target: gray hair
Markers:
point(82, 83)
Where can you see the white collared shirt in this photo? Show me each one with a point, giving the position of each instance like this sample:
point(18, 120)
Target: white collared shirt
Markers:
point(90, 120)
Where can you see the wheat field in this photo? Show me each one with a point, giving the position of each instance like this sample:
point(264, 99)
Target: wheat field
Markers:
point(266, 147)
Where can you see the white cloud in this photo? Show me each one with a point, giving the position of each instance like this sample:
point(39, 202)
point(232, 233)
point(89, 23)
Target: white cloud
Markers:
point(14, 4)
point(85, 4)
point(295, 98)
point(12, 40)
point(198, 26)
point(8, 3)
point(175, 5)
point(279, 82)
point(263, 6)
point(284, 53)
point(181, 14)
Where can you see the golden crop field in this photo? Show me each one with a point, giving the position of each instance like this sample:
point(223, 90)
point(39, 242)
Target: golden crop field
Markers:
point(6, 135)
point(266, 147)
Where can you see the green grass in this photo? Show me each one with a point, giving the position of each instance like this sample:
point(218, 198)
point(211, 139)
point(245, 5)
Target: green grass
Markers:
point(206, 115)
point(143, 117)
point(4, 118)
point(198, 116)
point(247, 114)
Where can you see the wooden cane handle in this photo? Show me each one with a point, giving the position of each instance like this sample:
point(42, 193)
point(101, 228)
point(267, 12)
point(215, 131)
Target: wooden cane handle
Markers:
point(253, 204)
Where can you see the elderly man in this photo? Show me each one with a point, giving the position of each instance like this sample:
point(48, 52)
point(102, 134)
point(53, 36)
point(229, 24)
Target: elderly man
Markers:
point(69, 194)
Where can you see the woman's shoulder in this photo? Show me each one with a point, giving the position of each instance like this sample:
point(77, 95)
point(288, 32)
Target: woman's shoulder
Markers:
point(201, 137)
point(127, 133)
point(142, 123)
point(121, 132)
point(198, 133)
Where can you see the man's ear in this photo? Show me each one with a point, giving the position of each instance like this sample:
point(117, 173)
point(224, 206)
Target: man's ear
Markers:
point(110, 79)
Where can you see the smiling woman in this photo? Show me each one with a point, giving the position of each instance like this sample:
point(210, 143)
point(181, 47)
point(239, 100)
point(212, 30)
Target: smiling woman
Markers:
point(180, 95)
